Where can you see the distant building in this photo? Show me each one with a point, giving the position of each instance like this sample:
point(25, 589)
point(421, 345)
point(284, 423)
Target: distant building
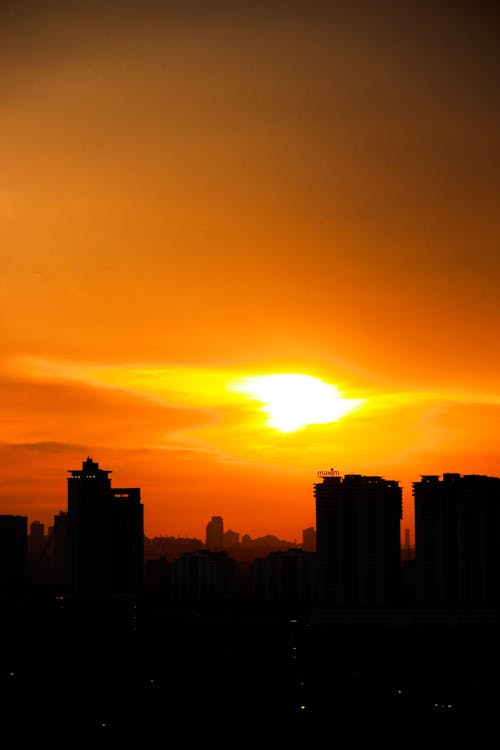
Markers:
point(285, 576)
point(157, 575)
point(358, 540)
point(215, 533)
point(231, 539)
point(457, 536)
point(170, 546)
point(37, 546)
point(408, 549)
point(60, 546)
point(105, 535)
point(309, 539)
point(13, 551)
point(202, 576)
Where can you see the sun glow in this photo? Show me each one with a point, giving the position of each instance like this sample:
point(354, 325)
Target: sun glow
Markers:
point(292, 401)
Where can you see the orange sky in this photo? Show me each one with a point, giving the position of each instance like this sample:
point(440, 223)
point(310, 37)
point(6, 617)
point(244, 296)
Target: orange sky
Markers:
point(192, 194)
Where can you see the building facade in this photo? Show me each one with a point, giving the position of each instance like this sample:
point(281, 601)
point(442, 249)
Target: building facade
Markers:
point(105, 535)
point(37, 547)
point(13, 552)
point(358, 545)
point(457, 534)
point(309, 539)
point(215, 533)
point(203, 575)
point(285, 576)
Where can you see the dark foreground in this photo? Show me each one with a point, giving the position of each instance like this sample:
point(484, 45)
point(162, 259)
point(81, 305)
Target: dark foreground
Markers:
point(238, 673)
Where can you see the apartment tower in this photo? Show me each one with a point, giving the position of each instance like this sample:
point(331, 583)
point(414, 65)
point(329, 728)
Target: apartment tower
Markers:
point(358, 543)
point(457, 535)
point(105, 535)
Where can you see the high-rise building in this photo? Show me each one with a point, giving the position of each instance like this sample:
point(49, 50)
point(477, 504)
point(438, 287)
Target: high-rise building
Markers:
point(13, 551)
point(231, 539)
point(309, 539)
point(105, 535)
point(286, 576)
point(215, 533)
point(36, 543)
point(203, 575)
point(39, 552)
point(457, 536)
point(60, 546)
point(358, 545)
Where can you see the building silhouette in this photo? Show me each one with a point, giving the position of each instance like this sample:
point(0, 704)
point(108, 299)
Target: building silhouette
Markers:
point(358, 544)
point(203, 575)
point(37, 543)
point(105, 535)
point(157, 576)
point(59, 537)
point(457, 534)
point(13, 552)
point(215, 533)
point(309, 539)
point(285, 576)
point(231, 539)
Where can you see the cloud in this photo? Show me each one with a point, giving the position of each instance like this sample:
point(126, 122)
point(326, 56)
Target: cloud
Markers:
point(40, 447)
point(59, 411)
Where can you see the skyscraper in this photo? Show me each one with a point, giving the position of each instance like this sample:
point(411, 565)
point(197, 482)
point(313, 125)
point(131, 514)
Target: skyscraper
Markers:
point(215, 533)
point(309, 539)
point(358, 543)
point(457, 536)
point(287, 576)
point(105, 535)
point(13, 551)
point(60, 546)
point(37, 542)
point(203, 575)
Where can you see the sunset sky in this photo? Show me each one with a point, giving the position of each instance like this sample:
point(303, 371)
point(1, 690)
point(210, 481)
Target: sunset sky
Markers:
point(194, 195)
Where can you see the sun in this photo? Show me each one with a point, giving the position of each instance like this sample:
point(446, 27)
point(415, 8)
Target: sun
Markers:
point(293, 401)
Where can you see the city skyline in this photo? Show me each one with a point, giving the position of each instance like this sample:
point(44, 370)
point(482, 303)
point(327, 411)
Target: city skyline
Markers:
point(209, 639)
point(215, 530)
point(241, 245)
point(355, 555)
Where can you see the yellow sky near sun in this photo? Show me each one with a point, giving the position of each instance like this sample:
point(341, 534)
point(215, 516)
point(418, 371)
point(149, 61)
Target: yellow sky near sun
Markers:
point(232, 406)
point(170, 426)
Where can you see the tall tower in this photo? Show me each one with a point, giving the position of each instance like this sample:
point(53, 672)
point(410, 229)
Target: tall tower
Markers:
point(60, 546)
point(358, 545)
point(457, 534)
point(309, 539)
point(13, 552)
point(215, 533)
point(36, 543)
point(105, 535)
